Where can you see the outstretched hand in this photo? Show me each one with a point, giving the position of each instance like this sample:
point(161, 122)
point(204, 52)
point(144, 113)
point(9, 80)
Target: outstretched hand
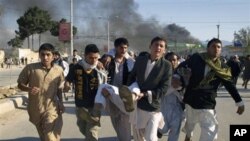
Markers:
point(241, 110)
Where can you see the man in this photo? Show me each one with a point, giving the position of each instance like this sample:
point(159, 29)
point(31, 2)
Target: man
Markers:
point(171, 103)
point(234, 64)
point(153, 74)
point(246, 71)
point(86, 78)
point(118, 70)
point(65, 66)
point(207, 72)
point(42, 80)
point(74, 55)
point(59, 61)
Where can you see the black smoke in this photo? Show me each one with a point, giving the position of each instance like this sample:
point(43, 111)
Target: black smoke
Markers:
point(91, 17)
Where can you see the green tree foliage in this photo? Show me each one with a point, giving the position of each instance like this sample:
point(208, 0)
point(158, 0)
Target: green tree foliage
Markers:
point(243, 36)
point(16, 42)
point(34, 21)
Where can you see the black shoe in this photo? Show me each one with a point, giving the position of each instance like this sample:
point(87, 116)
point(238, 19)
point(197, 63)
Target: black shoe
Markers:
point(159, 134)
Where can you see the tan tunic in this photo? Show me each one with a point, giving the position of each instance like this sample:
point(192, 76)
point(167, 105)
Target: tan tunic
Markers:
point(45, 104)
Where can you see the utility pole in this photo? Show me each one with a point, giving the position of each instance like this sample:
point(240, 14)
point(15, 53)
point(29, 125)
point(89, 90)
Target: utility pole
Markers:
point(108, 35)
point(71, 27)
point(218, 31)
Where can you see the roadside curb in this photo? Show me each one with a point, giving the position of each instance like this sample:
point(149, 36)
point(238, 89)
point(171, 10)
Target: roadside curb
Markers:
point(13, 102)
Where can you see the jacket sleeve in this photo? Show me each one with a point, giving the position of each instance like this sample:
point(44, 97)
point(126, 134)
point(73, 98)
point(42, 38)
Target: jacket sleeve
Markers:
point(132, 74)
point(230, 87)
point(163, 85)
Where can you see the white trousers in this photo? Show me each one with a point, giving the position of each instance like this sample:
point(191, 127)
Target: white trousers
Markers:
point(207, 120)
point(145, 129)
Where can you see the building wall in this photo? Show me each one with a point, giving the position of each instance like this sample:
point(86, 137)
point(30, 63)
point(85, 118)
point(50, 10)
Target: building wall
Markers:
point(31, 55)
point(1, 56)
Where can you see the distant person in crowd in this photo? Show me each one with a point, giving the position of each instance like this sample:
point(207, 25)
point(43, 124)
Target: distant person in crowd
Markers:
point(74, 55)
point(59, 61)
point(22, 60)
point(207, 72)
point(105, 60)
point(74, 62)
point(171, 104)
point(235, 67)
point(118, 68)
point(42, 81)
point(9, 62)
point(153, 75)
point(246, 71)
point(26, 60)
point(86, 78)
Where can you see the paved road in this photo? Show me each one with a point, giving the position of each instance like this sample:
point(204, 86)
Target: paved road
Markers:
point(8, 77)
point(14, 126)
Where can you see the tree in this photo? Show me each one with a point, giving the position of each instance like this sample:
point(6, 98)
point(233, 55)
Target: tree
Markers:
point(16, 42)
point(243, 37)
point(34, 21)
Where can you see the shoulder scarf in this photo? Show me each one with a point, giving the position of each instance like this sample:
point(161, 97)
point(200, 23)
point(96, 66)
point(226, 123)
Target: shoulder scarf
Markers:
point(223, 73)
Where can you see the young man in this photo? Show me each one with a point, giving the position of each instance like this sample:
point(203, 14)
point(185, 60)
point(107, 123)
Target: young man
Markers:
point(207, 72)
point(59, 61)
point(86, 78)
point(42, 80)
point(171, 103)
point(153, 74)
point(118, 70)
point(74, 55)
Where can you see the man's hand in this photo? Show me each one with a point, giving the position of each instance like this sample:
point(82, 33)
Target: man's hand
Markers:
point(66, 87)
point(241, 109)
point(34, 90)
point(61, 108)
point(139, 96)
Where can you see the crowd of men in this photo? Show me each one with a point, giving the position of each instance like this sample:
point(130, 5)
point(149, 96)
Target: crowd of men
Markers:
point(146, 96)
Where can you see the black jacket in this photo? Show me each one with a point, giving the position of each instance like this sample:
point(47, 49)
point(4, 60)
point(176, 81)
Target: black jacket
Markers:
point(157, 81)
point(204, 97)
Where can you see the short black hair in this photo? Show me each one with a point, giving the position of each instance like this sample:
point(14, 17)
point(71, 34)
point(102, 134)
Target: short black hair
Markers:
point(75, 50)
point(144, 53)
point(214, 40)
point(57, 53)
point(47, 47)
point(169, 54)
point(91, 48)
point(120, 41)
point(157, 38)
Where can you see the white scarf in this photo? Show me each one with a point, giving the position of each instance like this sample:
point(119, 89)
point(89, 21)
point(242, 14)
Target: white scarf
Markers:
point(86, 65)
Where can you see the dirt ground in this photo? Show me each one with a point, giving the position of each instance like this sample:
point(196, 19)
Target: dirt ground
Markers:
point(7, 92)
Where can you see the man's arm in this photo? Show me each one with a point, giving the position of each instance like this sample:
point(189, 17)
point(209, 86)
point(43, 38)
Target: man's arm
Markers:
point(69, 79)
point(31, 90)
point(132, 74)
point(23, 81)
point(230, 87)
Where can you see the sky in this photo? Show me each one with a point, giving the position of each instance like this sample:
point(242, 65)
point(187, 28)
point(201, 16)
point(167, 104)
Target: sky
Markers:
point(200, 17)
